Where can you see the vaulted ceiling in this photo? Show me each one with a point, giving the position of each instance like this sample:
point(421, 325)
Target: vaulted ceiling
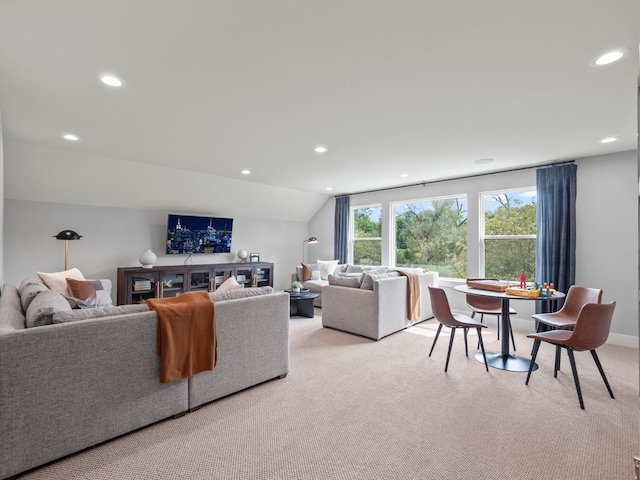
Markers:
point(390, 87)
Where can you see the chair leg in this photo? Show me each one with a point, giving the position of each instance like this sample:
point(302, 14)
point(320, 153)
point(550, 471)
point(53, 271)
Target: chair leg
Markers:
point(534, 354)
point(453, 332)
point(556, 366)
point(572, 360)
point(498, 325)
point(599, 365)
point(481, 321)
point(486, 366)
point(435, 339)
point(466, 348)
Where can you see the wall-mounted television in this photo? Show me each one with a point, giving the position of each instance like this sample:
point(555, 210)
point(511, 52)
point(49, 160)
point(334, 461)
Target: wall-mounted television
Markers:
point(187, 234)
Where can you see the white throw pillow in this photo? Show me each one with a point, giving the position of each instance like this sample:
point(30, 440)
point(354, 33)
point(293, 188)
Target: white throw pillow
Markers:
point(327, 267)
point(57, 281)
point(229, 284)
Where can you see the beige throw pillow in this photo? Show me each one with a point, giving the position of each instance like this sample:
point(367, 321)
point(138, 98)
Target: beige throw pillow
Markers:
point(57, 281)
point(327, 267)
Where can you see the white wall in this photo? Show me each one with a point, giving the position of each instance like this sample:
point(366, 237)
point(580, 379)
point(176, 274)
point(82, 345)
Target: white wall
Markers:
point(114, 237)
point(607, 233)
point(1, 204)
point(607, 244)
point(47, 174)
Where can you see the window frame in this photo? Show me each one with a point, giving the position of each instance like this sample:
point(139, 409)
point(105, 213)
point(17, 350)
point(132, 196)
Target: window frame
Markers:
point(482, 218)
point(392, 222)
point(352, 238)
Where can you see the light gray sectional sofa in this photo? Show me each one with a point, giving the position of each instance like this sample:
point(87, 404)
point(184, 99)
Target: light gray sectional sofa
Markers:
point(315, 284)
point(68, 386)
point(377, 311)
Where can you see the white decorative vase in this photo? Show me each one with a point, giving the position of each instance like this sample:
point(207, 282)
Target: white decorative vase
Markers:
point(296, 290)
point(147, 259)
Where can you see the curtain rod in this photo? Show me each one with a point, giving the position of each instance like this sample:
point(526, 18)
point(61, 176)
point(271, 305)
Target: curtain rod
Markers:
point(425, 183)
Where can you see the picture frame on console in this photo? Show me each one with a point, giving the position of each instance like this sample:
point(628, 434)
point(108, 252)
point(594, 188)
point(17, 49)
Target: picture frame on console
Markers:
point(254, 258)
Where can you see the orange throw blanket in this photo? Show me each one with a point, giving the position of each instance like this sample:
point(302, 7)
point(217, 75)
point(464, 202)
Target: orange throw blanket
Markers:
point(187, 341)
point(413, 294)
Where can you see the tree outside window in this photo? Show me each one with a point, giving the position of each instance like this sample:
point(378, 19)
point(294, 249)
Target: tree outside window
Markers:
point(366, 241)
point(509, 234)
point(432, 233)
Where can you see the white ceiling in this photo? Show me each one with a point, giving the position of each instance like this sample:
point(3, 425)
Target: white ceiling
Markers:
point(420, 87)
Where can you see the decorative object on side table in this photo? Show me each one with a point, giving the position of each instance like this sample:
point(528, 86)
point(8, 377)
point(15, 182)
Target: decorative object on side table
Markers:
point(242, 255)
point(296, 287)
point(147, 259)
point(254, 258)
point(67, 235)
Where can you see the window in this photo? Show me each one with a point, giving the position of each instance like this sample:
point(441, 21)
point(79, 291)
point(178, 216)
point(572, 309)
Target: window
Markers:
point(432, 233)
point(509, 234)
point(366, 237)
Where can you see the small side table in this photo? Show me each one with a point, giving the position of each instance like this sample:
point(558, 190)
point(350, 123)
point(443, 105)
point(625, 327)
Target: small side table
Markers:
point(301, 304)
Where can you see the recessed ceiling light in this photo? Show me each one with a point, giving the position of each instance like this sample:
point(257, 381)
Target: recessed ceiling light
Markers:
point(320, 149)
point(404, 175)
point(245, 172)
point(329, 188)
point(610, 57)
point(482, 161)
point(70, 137)
point(608, 139)
point(110, 80)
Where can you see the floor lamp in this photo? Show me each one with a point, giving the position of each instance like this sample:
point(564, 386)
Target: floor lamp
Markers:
point(67, 235)
point(308, 240)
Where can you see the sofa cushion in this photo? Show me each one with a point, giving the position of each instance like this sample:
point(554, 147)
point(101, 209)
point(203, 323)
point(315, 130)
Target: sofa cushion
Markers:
point(11, 316)
point(369, 278)
point(44, 306)
point(345, 281)
point(29, 292)
point(90, 293)
point(218, 296)
point(315, 285)
point(28, 281)
point(98, 312)
point(327, 267)
point(58, 280)
point(362, 268)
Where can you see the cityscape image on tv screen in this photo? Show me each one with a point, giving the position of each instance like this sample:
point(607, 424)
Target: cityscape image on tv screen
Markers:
point(190, 234)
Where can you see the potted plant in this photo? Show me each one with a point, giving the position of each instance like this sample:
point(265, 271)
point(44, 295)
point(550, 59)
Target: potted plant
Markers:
point(296, 286)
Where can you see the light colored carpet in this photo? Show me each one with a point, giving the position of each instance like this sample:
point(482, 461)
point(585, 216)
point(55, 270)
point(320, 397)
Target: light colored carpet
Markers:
point(352, 408)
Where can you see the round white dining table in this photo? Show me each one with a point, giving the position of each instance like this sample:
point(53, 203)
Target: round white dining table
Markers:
point(504, 359)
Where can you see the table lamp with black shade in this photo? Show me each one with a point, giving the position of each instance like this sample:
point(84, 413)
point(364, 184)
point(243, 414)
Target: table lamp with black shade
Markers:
point(67, 235)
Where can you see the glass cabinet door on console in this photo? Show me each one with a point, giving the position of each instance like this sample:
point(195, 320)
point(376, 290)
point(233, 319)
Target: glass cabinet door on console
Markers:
point(201, 280)
point(220, 275)
point(143, 285)
point(136, 284)
point(262, 276)
point(171, 285)
point(244, 275)
point(207, 279)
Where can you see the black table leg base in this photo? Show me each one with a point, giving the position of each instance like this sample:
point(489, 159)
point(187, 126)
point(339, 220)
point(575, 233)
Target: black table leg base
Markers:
point(511, 363)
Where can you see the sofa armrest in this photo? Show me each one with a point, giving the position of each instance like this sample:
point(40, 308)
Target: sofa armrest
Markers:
point(253, 347)
point(350, 309)
point(69, 386)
